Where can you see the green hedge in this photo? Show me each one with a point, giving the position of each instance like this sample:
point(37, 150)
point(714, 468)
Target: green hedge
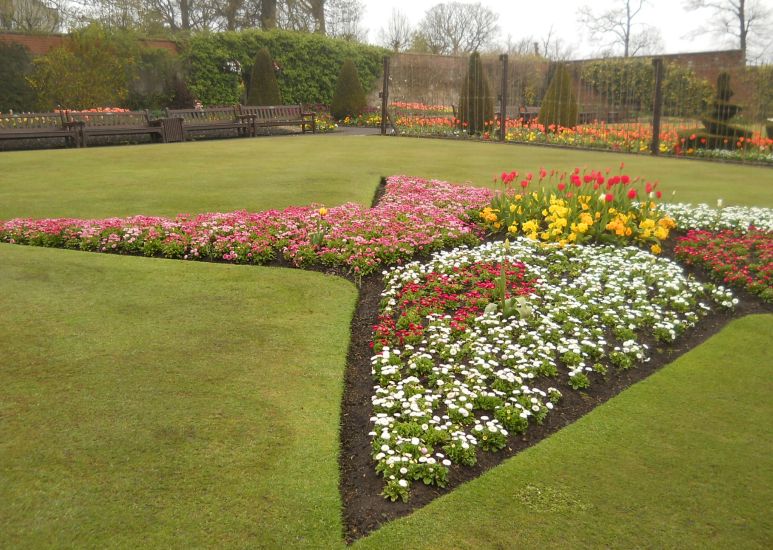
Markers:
point(309, 64)
point(631, 82)
point(15, 65)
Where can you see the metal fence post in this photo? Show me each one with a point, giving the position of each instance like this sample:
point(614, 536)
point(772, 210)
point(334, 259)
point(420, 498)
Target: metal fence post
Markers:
point(657, 107)
point(503, 98)
point(385, 97)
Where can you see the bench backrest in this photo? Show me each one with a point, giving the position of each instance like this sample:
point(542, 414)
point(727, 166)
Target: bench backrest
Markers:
point(31, 121)
point(272, 112)
point(210, 114)
point(107, 120)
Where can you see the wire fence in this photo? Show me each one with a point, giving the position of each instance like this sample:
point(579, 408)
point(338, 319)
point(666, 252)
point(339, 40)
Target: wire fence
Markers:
point(711, 105)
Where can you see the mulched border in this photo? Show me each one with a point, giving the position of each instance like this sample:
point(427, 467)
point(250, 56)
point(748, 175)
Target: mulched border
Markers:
point(365, 510)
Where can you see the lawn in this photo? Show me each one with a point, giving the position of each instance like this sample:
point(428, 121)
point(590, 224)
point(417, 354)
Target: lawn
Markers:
point(157, 403)
point(259, 174)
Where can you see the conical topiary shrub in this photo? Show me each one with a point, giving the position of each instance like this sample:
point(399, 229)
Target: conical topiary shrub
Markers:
point(717, 132)
point(476, 104)
point(559, 106)
point(349, 97)
point(264, 89)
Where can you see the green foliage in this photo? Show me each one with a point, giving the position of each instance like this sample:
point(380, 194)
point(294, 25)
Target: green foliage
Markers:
point(630, 83)
point(97, 67)
point(92, 69)
point(349, 97)
point(89, 70)
point(476, 104)
point(309, 64)
point(559, 106)
point(717, 132)
point(153, 79)
point(263, 89)
point(15, 65)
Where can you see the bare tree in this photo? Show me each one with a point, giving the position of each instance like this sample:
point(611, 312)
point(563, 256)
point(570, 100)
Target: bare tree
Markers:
point(549, 46)
point(29, 16)
point(343, 20)
point(743, 21)
point(619, 24)
point(456, 28)
point(398, 32)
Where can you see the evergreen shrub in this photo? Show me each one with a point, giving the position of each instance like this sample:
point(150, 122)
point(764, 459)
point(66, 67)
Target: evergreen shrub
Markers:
point(349, 97)
point(15, 66)
point(263, 89)
point(476, 104)
point(559, 106)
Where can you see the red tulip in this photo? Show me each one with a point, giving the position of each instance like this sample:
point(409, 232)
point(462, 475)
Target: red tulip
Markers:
point(632, 193)
point(609, 197)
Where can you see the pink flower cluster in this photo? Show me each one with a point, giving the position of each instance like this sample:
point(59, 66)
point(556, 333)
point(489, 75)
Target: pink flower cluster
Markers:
point(414, 215)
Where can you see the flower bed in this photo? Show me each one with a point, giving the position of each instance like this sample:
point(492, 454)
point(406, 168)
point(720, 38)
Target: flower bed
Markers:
point(415, 215)
point(438, 121)
point(743, 259)
point(702, 216)
point(474, 345)
point(579, 208)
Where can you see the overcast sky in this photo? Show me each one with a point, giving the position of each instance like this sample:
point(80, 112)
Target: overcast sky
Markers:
point(521, 18)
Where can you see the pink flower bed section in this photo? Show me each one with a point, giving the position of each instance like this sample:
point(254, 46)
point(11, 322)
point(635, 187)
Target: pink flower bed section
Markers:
point(414, 215)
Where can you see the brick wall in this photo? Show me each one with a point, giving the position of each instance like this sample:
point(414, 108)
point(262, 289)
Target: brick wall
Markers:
point(40, 44)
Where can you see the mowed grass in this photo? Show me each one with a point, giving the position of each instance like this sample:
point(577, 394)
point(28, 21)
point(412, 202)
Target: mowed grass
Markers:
point(152, 403)
point(263, 173)
point(681, 460)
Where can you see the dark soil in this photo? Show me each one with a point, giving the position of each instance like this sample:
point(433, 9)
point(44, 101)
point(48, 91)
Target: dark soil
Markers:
point(365, 510)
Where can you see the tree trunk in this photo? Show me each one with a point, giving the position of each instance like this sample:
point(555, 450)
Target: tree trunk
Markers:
point(318, 13)
point(231, 8)
point(268, 14)
point(185, 15)
point(743, 29)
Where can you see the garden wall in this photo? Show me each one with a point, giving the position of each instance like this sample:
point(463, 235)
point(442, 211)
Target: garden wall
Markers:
point(41, 44)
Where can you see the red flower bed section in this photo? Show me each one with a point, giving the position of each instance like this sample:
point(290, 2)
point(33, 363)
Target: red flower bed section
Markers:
point(462, 295)
point(740, 259)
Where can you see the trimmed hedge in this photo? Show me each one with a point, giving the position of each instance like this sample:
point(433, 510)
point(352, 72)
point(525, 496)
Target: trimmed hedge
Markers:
point(15, 65)
point(309, 64)
point(631, 82)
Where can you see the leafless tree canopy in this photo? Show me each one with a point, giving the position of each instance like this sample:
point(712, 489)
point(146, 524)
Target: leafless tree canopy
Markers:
point(397, 33)
point(29, 16)
point(339, 18)
point(456, 28)
point(619, 25)
point(747, 23)
point(549, 46)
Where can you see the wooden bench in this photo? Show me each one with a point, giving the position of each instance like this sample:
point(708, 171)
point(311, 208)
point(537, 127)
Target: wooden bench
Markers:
point(527, 113)
point(89, 124)
point(266, 116)
point(38, 125)
point(197, 121)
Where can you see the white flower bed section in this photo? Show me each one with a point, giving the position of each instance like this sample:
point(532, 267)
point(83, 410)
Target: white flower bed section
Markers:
point(704, 217)
point(439, 402)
